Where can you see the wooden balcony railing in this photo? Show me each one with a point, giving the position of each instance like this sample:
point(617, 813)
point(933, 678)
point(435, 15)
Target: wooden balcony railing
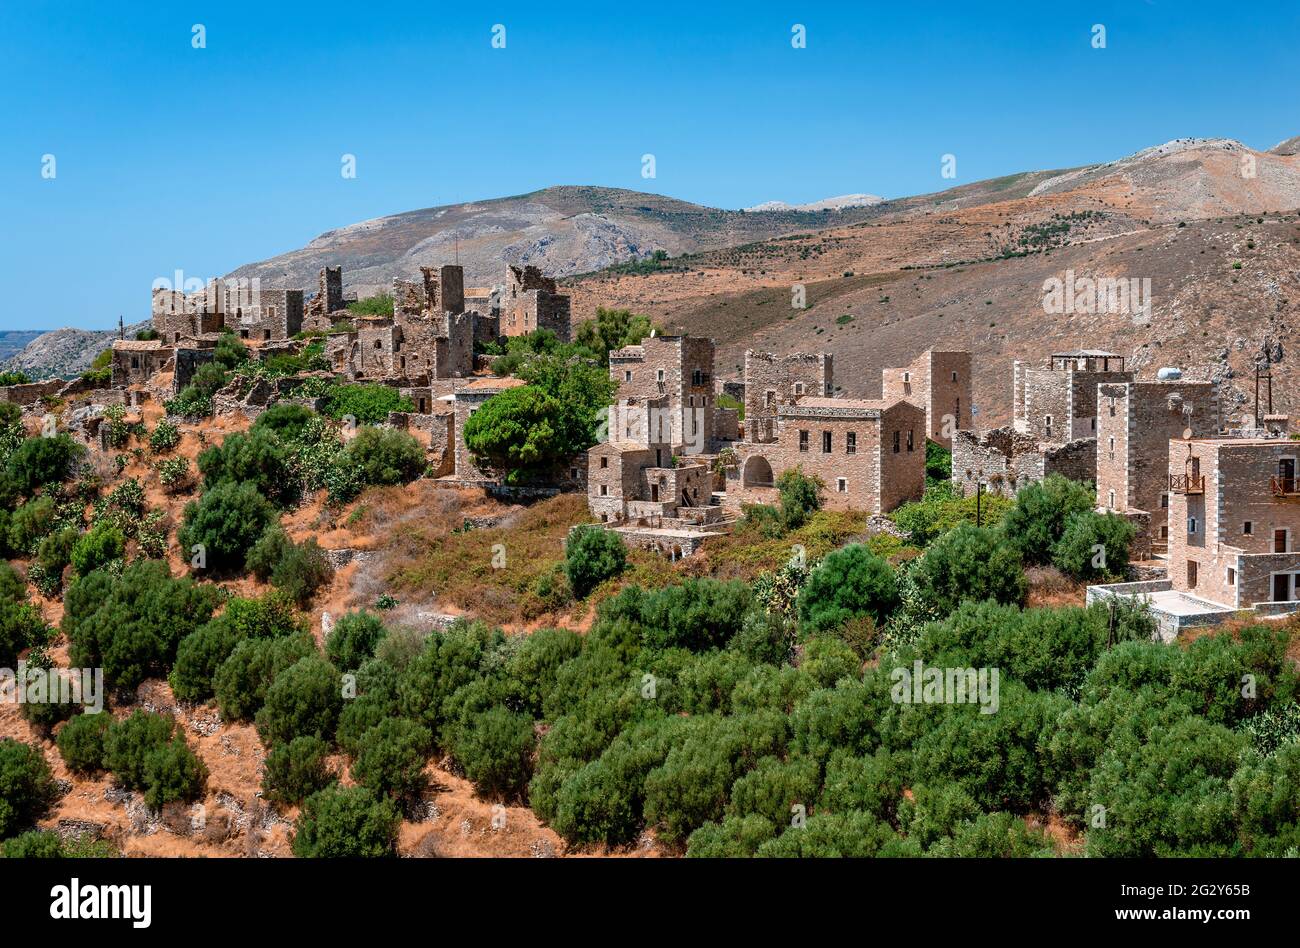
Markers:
point(1187, 483)
point(1285, 486)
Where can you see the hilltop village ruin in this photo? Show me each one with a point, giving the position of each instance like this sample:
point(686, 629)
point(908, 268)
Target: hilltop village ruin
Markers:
point(1216, 507)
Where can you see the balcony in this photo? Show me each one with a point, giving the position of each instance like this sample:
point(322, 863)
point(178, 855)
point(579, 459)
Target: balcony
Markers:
point(1285, 486)
point(1187, 483)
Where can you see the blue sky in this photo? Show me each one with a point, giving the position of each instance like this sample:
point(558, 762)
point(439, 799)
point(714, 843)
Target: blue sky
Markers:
point(170, 157)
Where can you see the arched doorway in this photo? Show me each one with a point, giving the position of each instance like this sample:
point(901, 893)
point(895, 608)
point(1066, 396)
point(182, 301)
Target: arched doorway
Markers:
point(757, 472)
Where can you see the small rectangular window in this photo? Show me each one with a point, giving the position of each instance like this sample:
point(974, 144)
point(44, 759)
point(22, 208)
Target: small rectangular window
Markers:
point(1191, 573)
point(897, 436)
point(826, 442)
point(1248, 528)
point(604, 462)
point(851, 443)
point(1232, 576)
point(604, 490)
point(627, 375)
point(910, 440)
point(1191, 525)
point(842, 485)
point(803, 441)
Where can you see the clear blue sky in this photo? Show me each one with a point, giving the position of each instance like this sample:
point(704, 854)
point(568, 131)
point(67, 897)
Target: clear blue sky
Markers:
point(170, 157)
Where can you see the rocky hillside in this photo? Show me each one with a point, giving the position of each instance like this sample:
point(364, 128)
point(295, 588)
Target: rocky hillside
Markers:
point(62, 352)
point(563, 230)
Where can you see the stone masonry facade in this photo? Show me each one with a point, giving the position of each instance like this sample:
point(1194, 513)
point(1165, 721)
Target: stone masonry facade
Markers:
point(940, 382)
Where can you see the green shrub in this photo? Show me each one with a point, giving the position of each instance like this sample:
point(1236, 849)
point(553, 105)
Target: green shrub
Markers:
point(164, 437)
point(229, 352)
point(846, 584)
point(385, 456)
point(346, 822)
point(354, 638)
point(132, 624)
point(21, 627)
point(800, 497)
point(198, 657)
point(55, 552)
point(128, 743)
point(368, 403)
point(39, 462)
point(175, 475)
point(304, 700)
point(225, 522)
point(31, 523)
point(591, 556)
point(81, 742)
point(296, 770)
point(391, 757)
point(495, 749)
point(287, 420)
point(970, 563)
point(301, 571)
point(266, 553)
point(1095, 546)
point(1037, 520)
point(243, 679)
point(98, 547)
point(258, 458)
point(173, 772)
point(27, 789)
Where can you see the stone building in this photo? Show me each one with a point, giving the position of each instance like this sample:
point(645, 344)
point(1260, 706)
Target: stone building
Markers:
point(772, 382)
point(1058, 403)
point(467, 399)
point(1006, 460)
point(134, 361)
point(1135, 424)
point(531, 301)
point(241, 306)
point(665, 389)
point(940, 382)
point(870, 454)
point(1234, 517)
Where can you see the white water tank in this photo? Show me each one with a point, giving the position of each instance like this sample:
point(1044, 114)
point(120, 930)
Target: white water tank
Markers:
point(1169, 374)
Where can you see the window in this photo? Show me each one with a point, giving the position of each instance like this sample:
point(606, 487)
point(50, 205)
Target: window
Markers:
point(1112, 453)
point(1191, 573)
point(659, 375)
point(573, 473)
point(691, 399)
point(842, 485)
point(798, 388)
point(907, 377)
point(604, 490)
point(826, 442)
point(1232, 576)
point(1248, 528)
point(896, 440)
point(910, 442)
point(697, 378)
point(378, 344)
point(1164, 531)
point(1110, 501)
point(1112, 406)
point(604, 462)
point(1191, 525)
point(954, 376)
point(851, 443)
point(1047, 425)
point(135, 362)
point(803, 441)
point(627, 375)
point(1164, 501)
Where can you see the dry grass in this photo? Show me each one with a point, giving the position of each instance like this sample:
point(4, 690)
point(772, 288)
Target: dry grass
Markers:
point(1048, 586)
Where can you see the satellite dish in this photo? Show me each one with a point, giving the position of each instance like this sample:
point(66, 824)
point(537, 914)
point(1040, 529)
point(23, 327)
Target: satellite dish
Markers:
point(1187, 434)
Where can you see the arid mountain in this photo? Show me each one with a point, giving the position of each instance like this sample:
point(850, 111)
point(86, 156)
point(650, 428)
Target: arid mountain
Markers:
point(564, 230)
point(962, 268)
point(63, 352)
point(825, 204)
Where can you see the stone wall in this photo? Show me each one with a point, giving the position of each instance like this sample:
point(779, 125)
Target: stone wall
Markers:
point(940, 382)
point(772, 382)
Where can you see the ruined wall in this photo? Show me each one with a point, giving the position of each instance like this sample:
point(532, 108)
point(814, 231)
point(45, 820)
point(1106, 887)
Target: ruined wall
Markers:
point(187, 362)
point(444, 288)
point(436, 432)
